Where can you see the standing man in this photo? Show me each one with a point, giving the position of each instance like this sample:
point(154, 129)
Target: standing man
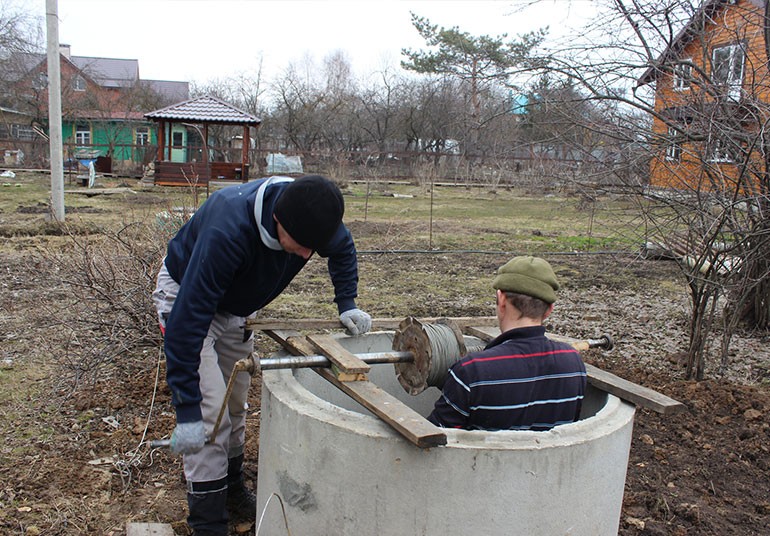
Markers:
point(522, 380)
point(236, 254)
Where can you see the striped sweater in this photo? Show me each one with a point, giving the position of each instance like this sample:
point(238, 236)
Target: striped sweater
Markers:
point(521, 381)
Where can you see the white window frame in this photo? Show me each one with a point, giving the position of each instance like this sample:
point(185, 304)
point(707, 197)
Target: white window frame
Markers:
point(142, 136)
point(674, 148)
point(40, 81)
point(78, 83)
point(683, 75)
point(727, 66)
point(717, 151)
point(22, 132)
point(82, 134)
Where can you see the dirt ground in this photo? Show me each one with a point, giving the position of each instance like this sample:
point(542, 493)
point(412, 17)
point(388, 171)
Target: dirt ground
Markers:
point(75, 458)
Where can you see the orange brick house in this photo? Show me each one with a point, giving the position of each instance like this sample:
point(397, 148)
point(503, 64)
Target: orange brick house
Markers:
point(712, 100)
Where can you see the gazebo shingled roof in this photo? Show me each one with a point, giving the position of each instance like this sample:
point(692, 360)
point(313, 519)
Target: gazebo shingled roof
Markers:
point(204, 110)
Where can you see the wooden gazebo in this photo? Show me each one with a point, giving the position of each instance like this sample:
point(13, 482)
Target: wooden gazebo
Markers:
point(203, 111)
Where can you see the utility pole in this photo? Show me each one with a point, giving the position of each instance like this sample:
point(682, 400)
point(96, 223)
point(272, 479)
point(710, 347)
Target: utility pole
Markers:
point(54, 110)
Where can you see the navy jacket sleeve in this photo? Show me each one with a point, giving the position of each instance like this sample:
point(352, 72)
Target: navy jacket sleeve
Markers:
point(343, 268)
point(205, 282)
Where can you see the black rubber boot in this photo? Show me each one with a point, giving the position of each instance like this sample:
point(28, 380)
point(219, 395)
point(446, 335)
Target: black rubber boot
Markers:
point(241, 503)
point(208, 512)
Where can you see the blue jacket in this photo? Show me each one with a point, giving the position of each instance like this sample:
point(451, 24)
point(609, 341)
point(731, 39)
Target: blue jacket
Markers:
point(227, 258)
point(522, 380)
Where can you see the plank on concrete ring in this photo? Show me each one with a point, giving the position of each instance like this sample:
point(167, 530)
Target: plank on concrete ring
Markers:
point(410, 424)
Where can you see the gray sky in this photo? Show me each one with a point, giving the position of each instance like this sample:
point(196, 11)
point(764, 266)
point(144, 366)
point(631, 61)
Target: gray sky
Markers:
point(206, 39)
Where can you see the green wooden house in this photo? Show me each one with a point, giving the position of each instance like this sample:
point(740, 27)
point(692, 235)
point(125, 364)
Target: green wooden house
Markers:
point(103, 106)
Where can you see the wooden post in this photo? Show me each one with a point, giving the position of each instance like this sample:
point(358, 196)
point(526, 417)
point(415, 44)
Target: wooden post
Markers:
point(149, 529)
point(245, 152)
point(169, 140)
point(161, 139)
point(206, 145)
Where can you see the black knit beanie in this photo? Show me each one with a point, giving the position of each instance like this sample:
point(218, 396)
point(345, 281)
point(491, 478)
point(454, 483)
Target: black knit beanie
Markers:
point(310, 209)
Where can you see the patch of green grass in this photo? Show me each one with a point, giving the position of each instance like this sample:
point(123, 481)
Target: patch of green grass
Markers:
point(401, 216)
point(18, 386)
point(480, 219)
point(582, 243)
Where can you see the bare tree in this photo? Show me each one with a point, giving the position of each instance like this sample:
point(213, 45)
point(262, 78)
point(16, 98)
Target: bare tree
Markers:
point(707, 147)
point(20, 36)
point(476, 61)
point(298, 96)
point(246, 92)
point(377, 114)
point(341, 131)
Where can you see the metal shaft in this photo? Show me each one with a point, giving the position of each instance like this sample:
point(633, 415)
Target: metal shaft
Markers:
point(376, 358)
point(372, 358)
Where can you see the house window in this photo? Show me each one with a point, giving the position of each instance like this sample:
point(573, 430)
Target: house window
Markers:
point(674, 147)
point(83, 135)
point(40, 81)
point(719, 151)
point(79, 83)
point(727, 69)
point(22, 132)
point(683, 75)
point(177, 139)
point(142, 135)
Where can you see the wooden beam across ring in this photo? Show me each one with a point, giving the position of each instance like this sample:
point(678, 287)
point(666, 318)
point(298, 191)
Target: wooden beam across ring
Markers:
point(407, 422)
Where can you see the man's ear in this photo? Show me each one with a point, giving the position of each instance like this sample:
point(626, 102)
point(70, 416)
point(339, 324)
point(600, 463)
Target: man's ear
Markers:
point(548, 312)
point(500, 300)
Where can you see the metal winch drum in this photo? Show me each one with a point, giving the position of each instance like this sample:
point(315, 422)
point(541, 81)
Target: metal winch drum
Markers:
point(433, 348)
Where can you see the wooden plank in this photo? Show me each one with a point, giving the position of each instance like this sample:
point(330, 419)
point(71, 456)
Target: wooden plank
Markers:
point(345, 365)
point(410, 424)
point(292, 341)
point(91, 192)
point(632, 392)
point(149, 529)
point(484, 333)
point(603, 380)
point(270, 324)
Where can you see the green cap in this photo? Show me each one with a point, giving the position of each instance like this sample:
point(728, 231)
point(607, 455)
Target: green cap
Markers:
point(531, 276)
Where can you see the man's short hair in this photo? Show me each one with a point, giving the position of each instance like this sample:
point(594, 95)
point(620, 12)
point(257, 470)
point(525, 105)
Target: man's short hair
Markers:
point(529, 306)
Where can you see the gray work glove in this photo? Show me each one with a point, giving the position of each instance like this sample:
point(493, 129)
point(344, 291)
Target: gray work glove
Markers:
point(356, 321)
point(188, 437)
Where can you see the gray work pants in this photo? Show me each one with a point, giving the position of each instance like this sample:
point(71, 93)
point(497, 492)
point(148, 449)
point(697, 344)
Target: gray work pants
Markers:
point(223, 346)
